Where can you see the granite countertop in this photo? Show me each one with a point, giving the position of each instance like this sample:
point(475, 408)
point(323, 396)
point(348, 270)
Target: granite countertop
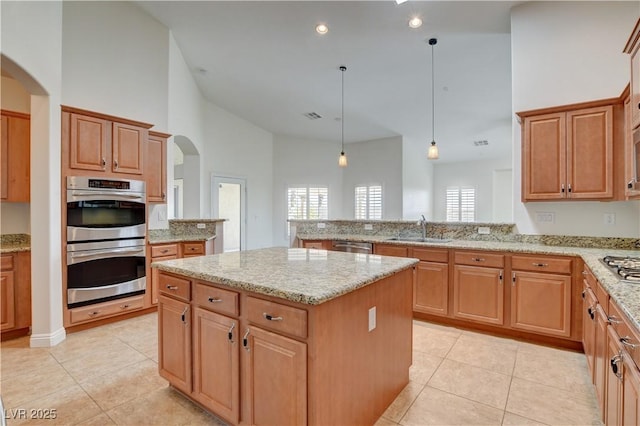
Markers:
point(625, 294)
point(300, 275)
point(14, 243)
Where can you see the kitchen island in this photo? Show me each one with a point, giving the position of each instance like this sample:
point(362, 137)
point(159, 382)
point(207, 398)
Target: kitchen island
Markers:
point(287, 336)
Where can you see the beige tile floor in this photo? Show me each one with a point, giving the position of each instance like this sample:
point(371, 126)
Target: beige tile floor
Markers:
point(108, 375)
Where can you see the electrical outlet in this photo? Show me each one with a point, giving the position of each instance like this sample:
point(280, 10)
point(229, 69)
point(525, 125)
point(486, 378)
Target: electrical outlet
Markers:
point(548, 217)
point(485, 230)
point(372, 318)
point(368, 227)
point(609, 218)
point(322, 225)
point(201, 226)
point(162, 215)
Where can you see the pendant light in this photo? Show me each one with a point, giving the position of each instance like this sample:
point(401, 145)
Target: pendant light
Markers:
point(432, 154)
point(342, 160)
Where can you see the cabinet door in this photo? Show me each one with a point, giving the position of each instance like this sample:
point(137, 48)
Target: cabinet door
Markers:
point(635, 87)
point(613, 393)
point(589, 327)
point(541, 303)
point(88, 143)
point(127, 148)
point(216, 363)
point(156, 169)
point(320, 245)
point(590, 147)
point(601, 360)
point(478, 294)
point(630, 393)
point(431, 288)
point(174, 342)
point(4, 159)
point(391, 250)
point(7, 303)
point(276, 368)
point(544, 157)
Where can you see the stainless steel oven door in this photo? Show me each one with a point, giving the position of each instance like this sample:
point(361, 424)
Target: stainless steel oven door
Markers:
point(101, 271)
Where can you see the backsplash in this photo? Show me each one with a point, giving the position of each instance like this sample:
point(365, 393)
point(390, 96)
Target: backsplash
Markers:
point(499, 232)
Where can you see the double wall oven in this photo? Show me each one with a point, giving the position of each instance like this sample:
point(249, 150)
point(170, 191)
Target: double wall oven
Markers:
point(106, 230)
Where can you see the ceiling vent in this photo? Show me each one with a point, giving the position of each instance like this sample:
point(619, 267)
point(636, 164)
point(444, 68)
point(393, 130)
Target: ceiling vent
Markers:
point(481, 143)
point(312, 115)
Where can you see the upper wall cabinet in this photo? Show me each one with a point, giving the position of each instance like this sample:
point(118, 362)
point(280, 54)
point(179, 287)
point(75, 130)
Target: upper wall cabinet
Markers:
point(633, 48)
point(94, 143)
point(568, 152)
point(156, 165)
point(15, 170)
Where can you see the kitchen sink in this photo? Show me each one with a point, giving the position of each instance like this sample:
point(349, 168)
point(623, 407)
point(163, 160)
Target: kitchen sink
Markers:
point(420, 239)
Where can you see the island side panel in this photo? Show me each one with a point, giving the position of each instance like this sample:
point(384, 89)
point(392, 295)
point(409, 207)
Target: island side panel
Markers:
point(355, 374)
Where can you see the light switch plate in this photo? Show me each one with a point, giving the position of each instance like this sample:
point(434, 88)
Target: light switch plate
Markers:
point(548, 217)
point(609, 218)
point(485, 230)
point(201, 226)
point(322, 225)
point(372, 318)
point(368, 227)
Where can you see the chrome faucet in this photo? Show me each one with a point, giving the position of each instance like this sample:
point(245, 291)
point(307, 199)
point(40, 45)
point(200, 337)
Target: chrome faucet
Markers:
point(423, 223)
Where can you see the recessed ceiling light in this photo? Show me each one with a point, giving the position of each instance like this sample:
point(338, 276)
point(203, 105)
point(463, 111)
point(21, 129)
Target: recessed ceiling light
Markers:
point(415, 22)
point(322, 29)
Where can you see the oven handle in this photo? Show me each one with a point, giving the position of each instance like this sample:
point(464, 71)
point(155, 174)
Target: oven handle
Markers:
point(87, 196)
point(79, 257)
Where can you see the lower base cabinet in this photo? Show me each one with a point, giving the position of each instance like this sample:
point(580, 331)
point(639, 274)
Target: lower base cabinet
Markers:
point(15, 294)
point(478, 294)
point(174, 342)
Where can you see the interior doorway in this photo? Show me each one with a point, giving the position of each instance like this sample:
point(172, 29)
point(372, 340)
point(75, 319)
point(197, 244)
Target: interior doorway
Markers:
point(229, 202)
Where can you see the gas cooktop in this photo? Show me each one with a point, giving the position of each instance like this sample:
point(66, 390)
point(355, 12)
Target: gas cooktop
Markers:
point(627, 267)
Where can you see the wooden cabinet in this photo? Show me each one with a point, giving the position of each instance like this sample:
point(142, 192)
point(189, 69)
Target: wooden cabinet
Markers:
point(156, 167)
point(320, 245)
point(95, 143)
point(216, 363)
point(478, 291)
point(431, 285)
point(541, 300)
point(174, 341)
point(196, 248)
point(391, 250)
point(15, 294)
point(613, 405)
point(568, 152)
point(589, 318)
point(15, 170)
point(633, 48)
point(276, 389)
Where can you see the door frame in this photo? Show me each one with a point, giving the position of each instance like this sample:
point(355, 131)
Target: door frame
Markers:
point(217, 179)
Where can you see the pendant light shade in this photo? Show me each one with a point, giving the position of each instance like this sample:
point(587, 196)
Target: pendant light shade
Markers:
point(342, 160)
point(433, 154)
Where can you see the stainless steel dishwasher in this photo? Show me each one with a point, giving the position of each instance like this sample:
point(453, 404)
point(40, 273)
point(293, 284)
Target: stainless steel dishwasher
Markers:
point(352, 247)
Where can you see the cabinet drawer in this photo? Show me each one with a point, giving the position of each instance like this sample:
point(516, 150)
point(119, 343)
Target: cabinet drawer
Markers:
point(390, 250)
point(216, 299)
point(430, 255)
point(589, 278)
point(6, 263)
point(629, 335)
point(479, 258)
point(174, 287)
point(602, 296)
point(277, 317)
point(106, 309)
point(164, 250)
point(541, 264)
point(192, 249)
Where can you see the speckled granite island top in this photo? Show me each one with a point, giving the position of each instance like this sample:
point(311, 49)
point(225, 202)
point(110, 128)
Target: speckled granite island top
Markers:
point(15, 243)
point(300, 275)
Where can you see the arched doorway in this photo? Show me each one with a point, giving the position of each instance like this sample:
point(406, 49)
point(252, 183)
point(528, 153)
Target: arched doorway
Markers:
point(186, 185)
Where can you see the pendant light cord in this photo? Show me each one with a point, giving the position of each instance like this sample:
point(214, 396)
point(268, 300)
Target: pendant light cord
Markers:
point(432, 42)
point(343, 69)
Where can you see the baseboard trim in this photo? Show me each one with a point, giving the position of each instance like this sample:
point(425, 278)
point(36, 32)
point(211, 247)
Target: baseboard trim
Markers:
point(48, 340)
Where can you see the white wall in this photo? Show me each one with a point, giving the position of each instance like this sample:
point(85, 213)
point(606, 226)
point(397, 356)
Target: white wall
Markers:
point(568, 52)
point(478, 174)
point(115, 61)
point(374, 162)
point(236, 148)
point(417, 180)
point(298, 161)
point(32, 42)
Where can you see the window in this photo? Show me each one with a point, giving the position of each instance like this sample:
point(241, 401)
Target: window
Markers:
point(461, 204)
point(369, 202)
point(305, 202)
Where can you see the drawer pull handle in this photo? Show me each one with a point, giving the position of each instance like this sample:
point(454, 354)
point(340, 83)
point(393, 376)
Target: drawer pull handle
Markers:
point(214, 300)
point(584, 293)
point(172, 287)
point(164, 251)
point(94, 313)
point(613, 320)
point(592, 312)
point(614, 366)
point(271, 318)
point(477, 259)
point(233, 325)
point(245, 340)
point(627, 342)
point(184, 315)
point(124, 306)
point(540, 265)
